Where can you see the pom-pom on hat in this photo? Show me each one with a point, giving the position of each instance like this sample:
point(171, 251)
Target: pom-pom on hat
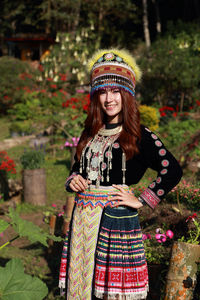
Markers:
point(113, 68)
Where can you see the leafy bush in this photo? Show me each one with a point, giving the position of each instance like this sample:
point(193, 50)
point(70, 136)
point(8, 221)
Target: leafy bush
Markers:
point(176, 132)
point(149, 116)
point(172, 69)
point(21, 127)
point(16, 77)
point(186, 193)
point(32, 159)
point(75, 110)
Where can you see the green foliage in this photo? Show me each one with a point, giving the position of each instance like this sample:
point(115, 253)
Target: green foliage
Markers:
point(16, 76)
point(186, 193)
point(32, 159)
point(176, 132)
point(15, 284)
point(26, 229)
point(21, 127)
point(28, 108)
point(3, 225)
point(172, 70)
point(149, 116)
point(159, 256)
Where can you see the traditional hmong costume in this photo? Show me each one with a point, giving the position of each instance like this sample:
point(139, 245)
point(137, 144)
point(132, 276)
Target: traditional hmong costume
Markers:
point(103, 253)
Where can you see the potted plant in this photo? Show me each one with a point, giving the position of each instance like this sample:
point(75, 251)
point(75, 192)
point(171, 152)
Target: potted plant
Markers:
point(181, 277)
point(34, 176)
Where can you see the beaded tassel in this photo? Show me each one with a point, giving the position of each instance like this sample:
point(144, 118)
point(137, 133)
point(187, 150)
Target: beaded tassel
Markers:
point(124, 167)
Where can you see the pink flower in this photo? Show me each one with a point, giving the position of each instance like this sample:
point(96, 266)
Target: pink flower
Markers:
point(170, 234)
point(53, 205)
point(146, 236)
point(61, 214)
point(161, 238)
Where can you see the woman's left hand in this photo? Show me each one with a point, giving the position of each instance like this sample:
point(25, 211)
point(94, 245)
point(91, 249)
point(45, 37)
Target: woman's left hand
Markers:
point(125, 198)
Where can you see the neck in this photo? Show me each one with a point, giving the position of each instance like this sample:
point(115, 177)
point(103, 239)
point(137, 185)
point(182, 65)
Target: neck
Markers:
point(112, 125)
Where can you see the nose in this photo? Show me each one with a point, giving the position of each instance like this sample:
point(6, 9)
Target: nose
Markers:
point(109, 96)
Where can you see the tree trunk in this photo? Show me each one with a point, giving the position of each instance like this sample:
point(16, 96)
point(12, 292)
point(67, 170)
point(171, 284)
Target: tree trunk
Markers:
point(158, 22)
point(48, 22)
point(34, 184)
point(181, 277)
point(146, 24)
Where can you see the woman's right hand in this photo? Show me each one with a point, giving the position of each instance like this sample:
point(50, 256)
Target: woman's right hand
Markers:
point(79, 184)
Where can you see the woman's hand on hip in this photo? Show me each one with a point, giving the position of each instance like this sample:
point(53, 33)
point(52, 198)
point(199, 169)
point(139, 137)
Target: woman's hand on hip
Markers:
point(79, 184)
point(125, 198)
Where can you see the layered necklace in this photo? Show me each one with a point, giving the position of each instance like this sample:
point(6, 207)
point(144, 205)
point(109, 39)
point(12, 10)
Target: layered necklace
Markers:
point(97, 155)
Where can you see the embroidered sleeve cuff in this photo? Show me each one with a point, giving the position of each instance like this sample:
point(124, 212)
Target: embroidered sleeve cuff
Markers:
point(150, 198)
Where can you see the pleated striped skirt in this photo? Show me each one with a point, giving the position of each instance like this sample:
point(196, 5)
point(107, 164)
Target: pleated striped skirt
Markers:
point(103, 254)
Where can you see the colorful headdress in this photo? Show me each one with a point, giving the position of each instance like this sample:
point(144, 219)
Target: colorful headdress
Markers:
point(113, 68)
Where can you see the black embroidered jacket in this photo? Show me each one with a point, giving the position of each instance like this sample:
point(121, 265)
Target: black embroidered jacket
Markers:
point(154, 155)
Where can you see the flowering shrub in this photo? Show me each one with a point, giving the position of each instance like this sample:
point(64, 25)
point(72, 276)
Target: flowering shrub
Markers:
point(73, 143)
point(6, 163)
point(16, 77)
point(169, 112)
point(188, 193)
point(156, 248)
point(193, 235)
point(75, 110)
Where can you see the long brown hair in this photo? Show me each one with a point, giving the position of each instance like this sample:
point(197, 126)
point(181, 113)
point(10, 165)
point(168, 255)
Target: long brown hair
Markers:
point(96, 118)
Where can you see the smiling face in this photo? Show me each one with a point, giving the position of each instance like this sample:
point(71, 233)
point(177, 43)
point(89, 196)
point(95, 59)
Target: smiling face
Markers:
point(111, 104)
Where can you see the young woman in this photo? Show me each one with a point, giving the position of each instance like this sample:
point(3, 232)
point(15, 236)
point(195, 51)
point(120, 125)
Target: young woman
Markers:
point(103, 254)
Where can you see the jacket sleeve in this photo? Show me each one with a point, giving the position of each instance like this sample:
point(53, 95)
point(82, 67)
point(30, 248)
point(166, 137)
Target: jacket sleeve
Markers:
point(158, 158)
point(74, 171)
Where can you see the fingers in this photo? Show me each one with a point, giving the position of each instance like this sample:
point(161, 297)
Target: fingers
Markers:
point(118, 188)
point(79, 184)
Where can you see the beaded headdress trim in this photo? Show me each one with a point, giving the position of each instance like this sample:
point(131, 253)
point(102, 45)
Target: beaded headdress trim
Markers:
point(113, 68)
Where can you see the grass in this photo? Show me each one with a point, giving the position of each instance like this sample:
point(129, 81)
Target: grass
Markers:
point(4, 125)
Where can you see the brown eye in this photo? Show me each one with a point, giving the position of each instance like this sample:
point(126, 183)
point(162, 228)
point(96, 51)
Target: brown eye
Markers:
point(101, 92)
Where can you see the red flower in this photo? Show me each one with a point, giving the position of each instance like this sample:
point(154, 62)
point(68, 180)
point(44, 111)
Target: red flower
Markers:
point(198, 102)
point(191, 217)
point(40, 68)
point(63, 77)
point(53, 86)
point(6, 97)
point(6, 163)
point(163, 114)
